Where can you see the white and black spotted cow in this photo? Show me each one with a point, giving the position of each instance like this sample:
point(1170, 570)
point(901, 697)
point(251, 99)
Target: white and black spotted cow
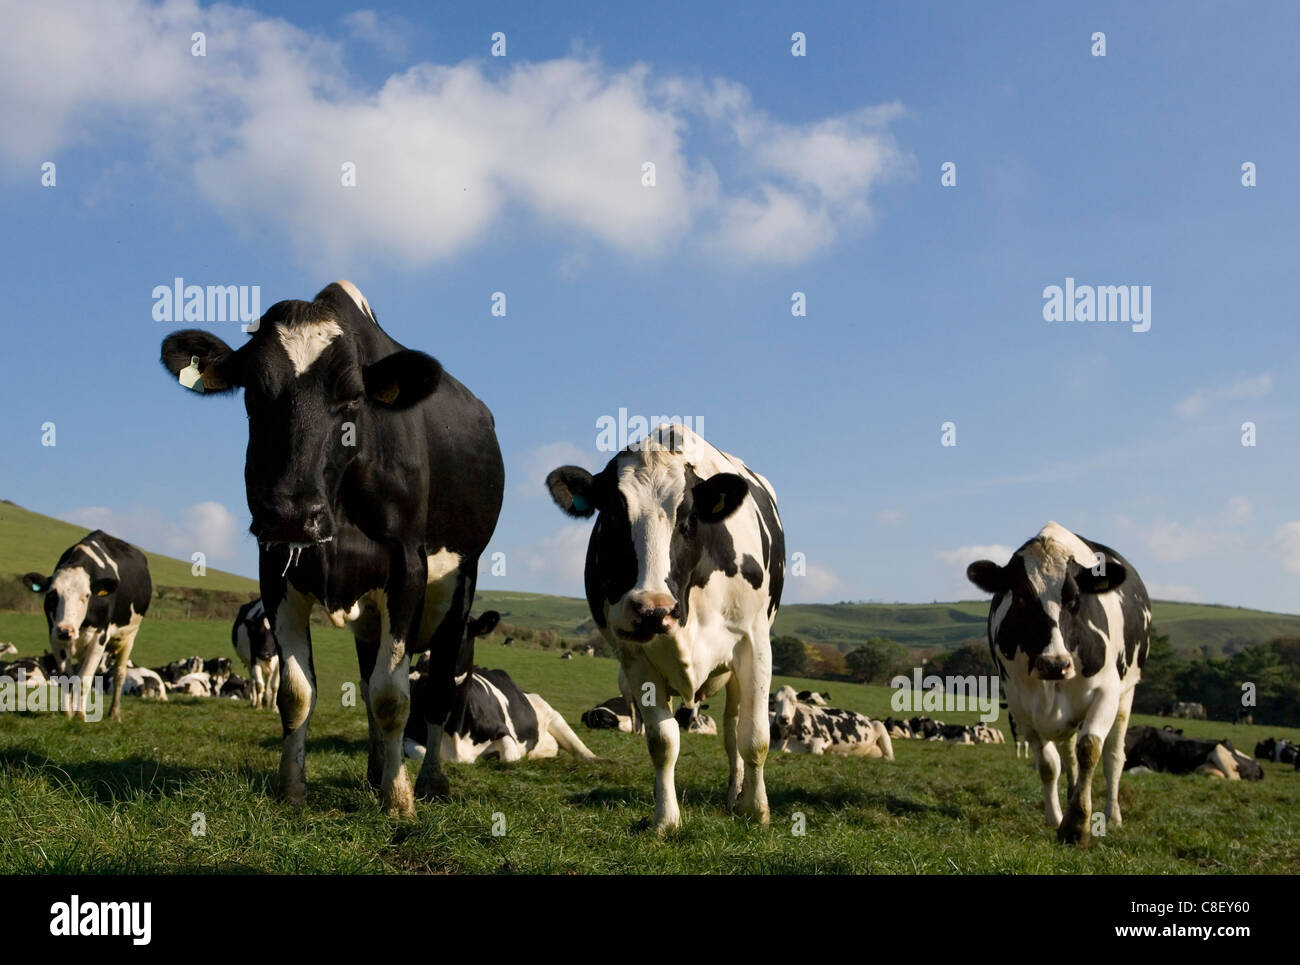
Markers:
point(683, 576)
point(255, 646)
point(491, 716)
point(1069, 628)
point(800, 727)
point(375, 481)
point(94, 603)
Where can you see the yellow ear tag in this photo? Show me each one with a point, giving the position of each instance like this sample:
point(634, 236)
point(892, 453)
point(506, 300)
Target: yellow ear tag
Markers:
point(722, 502)
point(101, 593)
point(190, 376)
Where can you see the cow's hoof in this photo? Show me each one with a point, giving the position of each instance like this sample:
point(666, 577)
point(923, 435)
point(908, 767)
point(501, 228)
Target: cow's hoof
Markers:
point(433, 788)
point(295, 796)
point(400, 806)
point(667, 827)
point(1074, 832)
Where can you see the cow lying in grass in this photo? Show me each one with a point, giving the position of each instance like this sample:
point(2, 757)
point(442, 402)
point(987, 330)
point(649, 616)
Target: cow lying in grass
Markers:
point(802, 728)
point(490, 717)
point(1278, 751)
point(1167, 750)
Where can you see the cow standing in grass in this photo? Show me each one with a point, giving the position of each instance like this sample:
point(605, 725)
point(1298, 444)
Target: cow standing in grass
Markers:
point(94, 603)
point(374, 480)
point(1069, 628)
point(684, 573)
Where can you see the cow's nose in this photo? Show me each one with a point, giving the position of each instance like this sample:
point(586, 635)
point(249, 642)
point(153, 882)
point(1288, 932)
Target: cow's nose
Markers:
point(64, 632)
point(653, 613)
point(292, 518)
point(1051, 668)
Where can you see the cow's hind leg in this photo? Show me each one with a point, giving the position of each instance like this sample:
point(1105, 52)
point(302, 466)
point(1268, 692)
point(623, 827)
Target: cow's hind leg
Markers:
point(1048, 762)
point(365, 632)
point(297, 695)
point(446, 608)
point(1113, 759)
point(86, 674)
point(124, 647)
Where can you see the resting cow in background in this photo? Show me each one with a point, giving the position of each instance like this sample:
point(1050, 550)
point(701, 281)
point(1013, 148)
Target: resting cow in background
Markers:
point(684, 573)
point(1069, 628)
point(94, 603)
point(803, 728)
point(374, 480)
point(255, 646)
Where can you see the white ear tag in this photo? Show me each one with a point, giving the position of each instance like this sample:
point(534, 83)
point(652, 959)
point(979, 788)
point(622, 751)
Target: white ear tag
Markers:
point(190, 377)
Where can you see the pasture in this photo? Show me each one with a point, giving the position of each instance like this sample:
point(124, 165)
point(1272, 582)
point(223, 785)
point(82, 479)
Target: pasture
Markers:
point(104, 798)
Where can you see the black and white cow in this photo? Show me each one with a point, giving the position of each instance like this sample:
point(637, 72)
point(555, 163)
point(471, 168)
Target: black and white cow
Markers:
point(799, 727)
point(1069, 628)
point(683, 576)
point(255, 646)
point(613, 714)
point(491, 716)
point(94, 603)
point(374, 480)
point(1280, 751)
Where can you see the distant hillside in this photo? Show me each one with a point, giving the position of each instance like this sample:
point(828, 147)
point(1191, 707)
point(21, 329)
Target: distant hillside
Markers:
point(32, 542)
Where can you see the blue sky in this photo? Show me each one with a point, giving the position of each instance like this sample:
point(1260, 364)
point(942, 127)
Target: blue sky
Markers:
point(774, 174)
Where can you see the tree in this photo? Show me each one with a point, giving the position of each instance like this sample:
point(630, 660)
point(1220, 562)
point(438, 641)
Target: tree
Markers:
point(1158, 687)
point(877, 659)
point(789, 657)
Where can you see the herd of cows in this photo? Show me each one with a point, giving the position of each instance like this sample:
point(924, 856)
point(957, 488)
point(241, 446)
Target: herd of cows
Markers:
point(374, 482)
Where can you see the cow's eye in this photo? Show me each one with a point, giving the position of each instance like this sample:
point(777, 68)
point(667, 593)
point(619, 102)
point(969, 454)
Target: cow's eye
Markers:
point(348, 405)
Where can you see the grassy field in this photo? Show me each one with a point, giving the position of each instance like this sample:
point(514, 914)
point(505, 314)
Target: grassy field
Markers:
point(125, 798)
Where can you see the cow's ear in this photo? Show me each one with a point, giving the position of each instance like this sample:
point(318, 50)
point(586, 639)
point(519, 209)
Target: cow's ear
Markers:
point(36, 583)
point(484, 624)
point(180, 349)
point(719, 496)
point(988, 576)
point(1112, 573)
point(402, 379)
point(574, 490)
point(103, 587)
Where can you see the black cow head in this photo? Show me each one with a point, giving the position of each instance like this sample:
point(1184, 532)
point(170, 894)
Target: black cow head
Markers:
point(1037, 598)
point(656, 535)
point(314, 381)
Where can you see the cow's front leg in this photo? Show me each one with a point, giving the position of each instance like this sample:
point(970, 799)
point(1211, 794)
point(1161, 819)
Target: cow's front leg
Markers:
point(1048, 763)
point(1113, 759)
point(366, 631)
point(754, 668)
point(390, 682)
point(297, 694)
point(730, 720)
point(1097, 725)
point(663, 739)
point(86, 674)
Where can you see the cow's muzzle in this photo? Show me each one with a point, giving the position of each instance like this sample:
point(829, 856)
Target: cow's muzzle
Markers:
point(1052, 668)
point(649, 616)
point(287, 519)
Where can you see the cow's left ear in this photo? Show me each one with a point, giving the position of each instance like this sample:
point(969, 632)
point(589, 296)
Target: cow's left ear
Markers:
point(1112, 574)
point(402, 379)
point(719, 496)
point(484, 624)
point(103, 587)
point(36, 583)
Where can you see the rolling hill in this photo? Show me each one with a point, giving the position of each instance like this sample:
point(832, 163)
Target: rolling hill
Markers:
point(30, 541)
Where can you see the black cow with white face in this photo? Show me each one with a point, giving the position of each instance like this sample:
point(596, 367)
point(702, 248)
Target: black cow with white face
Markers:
point(684, 573)
point(1069, 628)
point(254, 644)
point(94, 603)
point(374, 480)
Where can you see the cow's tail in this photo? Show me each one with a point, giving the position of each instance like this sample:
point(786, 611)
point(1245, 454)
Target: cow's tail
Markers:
point(559, 728)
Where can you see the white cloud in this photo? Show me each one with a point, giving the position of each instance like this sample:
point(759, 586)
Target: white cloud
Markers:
point(1287, 542)
point(443, 153)
point(1248, 387)
point(963, 556)
point(559, 559)
point(815, 585)
point(1173, 591)
point(1172, 542)
point(536, 463)
point(386, 35)
point(206, 527)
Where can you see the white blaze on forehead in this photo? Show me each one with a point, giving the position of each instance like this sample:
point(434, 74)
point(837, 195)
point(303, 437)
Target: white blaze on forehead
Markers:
point(355, 294)
point(1047, 558)
point(72, 586)
point(653, 492)
point(304, 343)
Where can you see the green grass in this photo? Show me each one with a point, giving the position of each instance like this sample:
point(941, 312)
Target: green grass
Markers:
point(32, 542)
point(122, 798)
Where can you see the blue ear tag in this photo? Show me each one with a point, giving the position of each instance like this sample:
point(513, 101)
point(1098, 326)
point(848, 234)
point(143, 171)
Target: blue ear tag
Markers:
point(579, 503)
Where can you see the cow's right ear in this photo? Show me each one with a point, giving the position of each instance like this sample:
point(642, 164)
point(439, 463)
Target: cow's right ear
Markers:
point(988, 576)
point(484, 623)
point(36, 583)
point(180, 349)
point(574, 490)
